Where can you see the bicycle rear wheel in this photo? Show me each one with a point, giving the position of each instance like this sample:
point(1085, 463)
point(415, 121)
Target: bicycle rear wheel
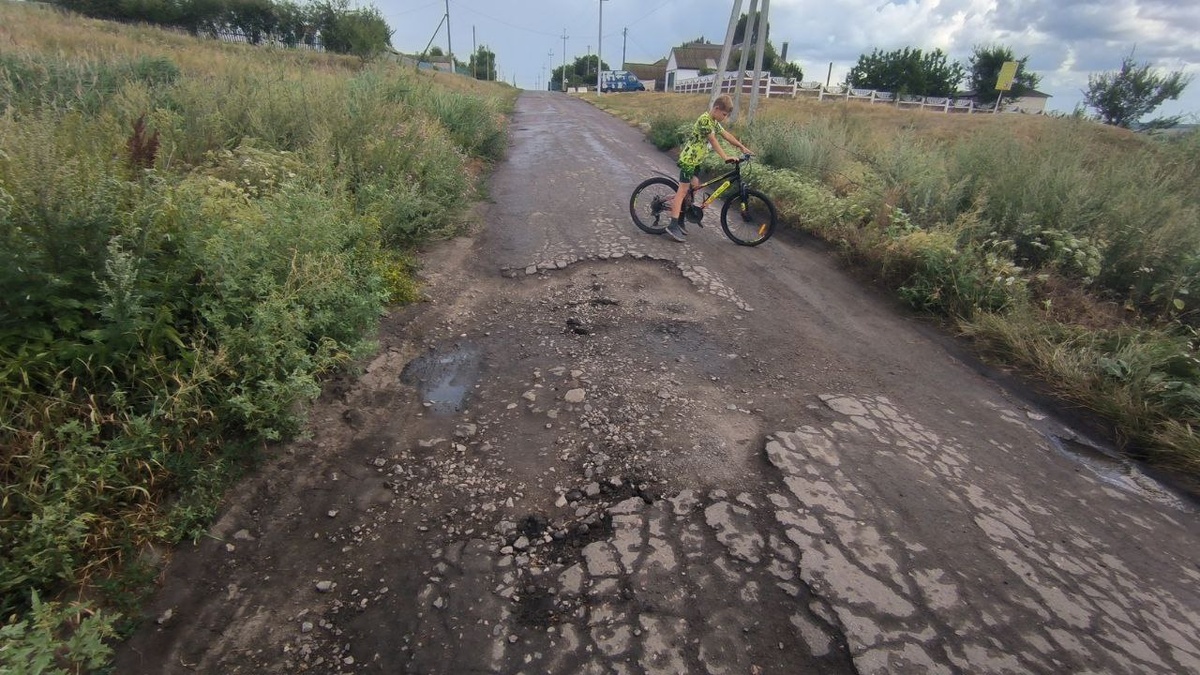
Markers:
point(650, 204)
point(748, 219)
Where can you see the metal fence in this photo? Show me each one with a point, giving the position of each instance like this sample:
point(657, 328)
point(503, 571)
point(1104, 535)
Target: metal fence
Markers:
point(311, 43)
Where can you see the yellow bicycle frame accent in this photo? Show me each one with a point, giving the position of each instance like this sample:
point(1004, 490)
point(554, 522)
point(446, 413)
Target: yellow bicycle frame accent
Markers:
point(716, 193)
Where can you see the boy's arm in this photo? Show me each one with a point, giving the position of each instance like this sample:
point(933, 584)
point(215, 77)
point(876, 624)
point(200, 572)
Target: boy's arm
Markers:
point(733, 139)
point(716, 145)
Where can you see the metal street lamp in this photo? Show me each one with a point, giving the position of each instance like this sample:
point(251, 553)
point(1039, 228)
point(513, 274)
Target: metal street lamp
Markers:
point(599, 44)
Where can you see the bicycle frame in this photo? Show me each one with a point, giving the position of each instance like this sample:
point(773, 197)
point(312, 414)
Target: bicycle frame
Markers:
point(730, 177)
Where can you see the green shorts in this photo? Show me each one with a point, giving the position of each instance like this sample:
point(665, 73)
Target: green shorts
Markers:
point(687, 173)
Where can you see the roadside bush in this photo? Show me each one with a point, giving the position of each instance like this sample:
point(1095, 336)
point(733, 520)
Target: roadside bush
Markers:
point(1127, 222)
point(805, 201)
point(910, 176)
point(54, 639)
point(168, 308)
point(474, 124)
point(668, 131)
point(815, 149)
point(935, 273)
point(30, 83)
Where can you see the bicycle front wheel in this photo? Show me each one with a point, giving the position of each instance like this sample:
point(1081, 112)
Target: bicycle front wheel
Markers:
point(650, 204)
point(748, 218)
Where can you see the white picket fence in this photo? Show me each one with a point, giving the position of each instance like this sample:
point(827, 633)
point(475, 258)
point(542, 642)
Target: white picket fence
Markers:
point(775, 87)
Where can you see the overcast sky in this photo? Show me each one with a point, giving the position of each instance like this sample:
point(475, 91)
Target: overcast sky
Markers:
point(1065, 40)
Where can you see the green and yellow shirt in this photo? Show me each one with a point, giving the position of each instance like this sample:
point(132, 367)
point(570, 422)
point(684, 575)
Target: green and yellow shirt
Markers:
point(696, 148)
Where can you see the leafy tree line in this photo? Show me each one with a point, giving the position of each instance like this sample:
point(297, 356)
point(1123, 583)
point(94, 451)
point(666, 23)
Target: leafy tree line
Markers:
point(1120, 98)
point(580, 73)
point(340, 29)
point(910, 71)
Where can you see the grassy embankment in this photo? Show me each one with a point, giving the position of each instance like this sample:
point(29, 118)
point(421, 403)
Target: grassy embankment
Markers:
point(192, 234)
point(1068, 249)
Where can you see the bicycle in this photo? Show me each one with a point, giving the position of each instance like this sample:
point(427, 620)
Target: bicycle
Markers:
point(752, 222)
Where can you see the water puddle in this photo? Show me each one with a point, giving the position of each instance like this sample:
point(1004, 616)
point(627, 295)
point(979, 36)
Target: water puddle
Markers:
point(1119, 472)
point(444, 377)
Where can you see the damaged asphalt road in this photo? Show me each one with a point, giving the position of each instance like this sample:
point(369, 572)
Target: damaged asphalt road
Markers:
point(597, 451)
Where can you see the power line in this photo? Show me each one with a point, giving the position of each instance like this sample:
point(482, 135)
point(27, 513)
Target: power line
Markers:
point(415, 9)
point(503, 22)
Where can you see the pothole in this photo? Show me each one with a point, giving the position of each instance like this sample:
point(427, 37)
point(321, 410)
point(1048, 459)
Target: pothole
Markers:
point(1118, 472)
point(444, 377)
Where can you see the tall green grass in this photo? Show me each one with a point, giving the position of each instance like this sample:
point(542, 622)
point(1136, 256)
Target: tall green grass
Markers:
point(814, 150)
point(189, 241)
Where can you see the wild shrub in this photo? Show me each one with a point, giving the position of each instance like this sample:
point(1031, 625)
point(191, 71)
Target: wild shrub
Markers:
point(55, 639)
point(815, 149)
point(35, 82)
point(411, 181)
point(909, 176)
point(167, 310)
point(668, 131)
point(473, 123)
point(805, 201)
point(934, 272)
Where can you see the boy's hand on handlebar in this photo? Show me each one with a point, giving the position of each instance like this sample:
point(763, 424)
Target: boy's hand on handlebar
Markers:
point(732, 160)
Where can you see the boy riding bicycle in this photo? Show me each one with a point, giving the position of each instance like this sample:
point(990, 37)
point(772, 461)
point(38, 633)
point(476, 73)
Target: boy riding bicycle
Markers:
point(704, 134)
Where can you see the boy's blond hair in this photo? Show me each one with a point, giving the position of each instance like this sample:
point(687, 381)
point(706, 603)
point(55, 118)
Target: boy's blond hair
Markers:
point(723, 103)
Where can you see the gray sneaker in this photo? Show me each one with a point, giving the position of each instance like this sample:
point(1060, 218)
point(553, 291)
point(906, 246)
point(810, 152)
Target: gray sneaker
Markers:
point(673, 231)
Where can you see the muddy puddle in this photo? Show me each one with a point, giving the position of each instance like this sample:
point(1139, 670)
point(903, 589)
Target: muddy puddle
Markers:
point(445, 377)
point(1121, 473)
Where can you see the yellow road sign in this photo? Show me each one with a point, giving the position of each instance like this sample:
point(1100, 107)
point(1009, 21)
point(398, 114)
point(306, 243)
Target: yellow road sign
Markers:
point(1008, 71)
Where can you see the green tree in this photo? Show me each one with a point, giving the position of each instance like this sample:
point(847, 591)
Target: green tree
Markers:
point(202, 16)
point(361, 32)
point(907, 71)
point(254, 18)
point(295, 23)
point(983, 69)
point(1123, 97)
point(580, 73)
point(771, 61)
point(483, 64)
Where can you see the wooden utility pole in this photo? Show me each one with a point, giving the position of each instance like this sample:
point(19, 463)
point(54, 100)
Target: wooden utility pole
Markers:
point(624, 39)
point(449, 45)
point(748, 37)
point(733, 18)
point(758, 59)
